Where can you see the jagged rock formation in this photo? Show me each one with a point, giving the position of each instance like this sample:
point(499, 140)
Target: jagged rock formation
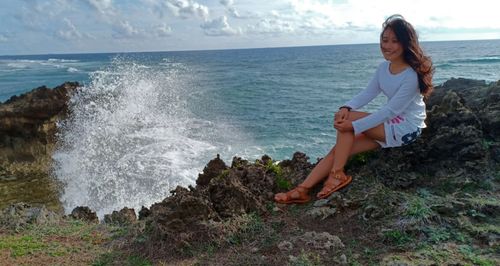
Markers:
point(84, 213)
point(28, 126)
point(462, 138)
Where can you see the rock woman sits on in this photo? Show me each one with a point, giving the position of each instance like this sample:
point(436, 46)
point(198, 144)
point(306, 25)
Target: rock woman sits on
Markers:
point(405, 77)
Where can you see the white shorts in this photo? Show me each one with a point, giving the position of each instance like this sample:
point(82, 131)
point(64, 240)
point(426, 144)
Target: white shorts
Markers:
point(399, 132)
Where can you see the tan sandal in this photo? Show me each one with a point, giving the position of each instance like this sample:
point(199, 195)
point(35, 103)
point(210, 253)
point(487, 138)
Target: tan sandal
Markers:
point(299, 194)
point(335, 182)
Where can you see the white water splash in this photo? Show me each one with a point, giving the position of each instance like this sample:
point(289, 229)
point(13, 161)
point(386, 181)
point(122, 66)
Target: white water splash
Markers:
point(130, 139)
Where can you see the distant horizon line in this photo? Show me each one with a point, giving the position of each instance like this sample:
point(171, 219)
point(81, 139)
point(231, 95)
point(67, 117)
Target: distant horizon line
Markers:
point(228, 49)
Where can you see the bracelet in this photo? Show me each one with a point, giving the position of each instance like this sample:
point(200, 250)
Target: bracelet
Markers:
point(345, 106)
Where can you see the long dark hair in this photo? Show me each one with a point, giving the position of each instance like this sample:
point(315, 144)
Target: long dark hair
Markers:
point(413, 53)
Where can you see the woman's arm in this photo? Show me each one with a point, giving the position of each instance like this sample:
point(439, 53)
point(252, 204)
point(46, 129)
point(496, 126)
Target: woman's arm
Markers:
point(395, 106)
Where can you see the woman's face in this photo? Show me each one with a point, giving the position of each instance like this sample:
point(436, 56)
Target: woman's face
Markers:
point(390, 46)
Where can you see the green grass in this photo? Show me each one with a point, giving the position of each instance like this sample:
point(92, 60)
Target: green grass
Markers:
point(68, 240)
point(480, 201)
point(360, 159)
point(281, 181)
point(256, 232)
point(436, 255)
point(487, 143)
point(22, 245)
point(471, 255)
point(417, 209)
point(437, 234)
point(118, 258)
point(307, 259)
point(398, 237)
point(39, 239)
point(254, 227)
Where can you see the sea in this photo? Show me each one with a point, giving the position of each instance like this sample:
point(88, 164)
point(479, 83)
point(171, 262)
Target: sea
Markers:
point(146, 122)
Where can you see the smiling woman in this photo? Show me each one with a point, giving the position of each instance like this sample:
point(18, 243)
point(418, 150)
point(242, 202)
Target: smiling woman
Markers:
point(405, 78)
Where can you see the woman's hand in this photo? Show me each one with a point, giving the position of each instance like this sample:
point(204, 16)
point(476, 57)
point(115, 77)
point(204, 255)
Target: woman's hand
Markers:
point(343, 125)
point(342, 114)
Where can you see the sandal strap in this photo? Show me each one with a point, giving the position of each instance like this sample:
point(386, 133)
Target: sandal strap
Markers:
point(338, 176)
point(301, 187)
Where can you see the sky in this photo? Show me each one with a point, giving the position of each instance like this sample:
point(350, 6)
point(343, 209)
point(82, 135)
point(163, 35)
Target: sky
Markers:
point(90, 26)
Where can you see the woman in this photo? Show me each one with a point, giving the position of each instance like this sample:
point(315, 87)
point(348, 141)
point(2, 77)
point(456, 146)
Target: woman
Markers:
point(405, 78)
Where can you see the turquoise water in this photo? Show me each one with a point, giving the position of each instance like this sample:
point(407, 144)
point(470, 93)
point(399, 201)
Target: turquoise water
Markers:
point(147, 122)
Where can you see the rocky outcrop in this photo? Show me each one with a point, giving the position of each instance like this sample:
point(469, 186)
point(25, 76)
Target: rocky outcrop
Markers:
point(196, 213)
point(28, 126)
point(20, 215)
point(462, 137)
point(84, 213)
point(459, 145)
point(213, 169)
point(125, 216)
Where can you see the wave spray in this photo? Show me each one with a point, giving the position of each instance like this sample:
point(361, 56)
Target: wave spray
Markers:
point(130, 138)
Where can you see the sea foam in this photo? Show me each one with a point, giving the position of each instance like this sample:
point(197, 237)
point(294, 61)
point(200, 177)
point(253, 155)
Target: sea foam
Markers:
point(131, 138)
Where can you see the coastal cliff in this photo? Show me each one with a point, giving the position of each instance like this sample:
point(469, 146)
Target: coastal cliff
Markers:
point(433, 202)
point(28, 128)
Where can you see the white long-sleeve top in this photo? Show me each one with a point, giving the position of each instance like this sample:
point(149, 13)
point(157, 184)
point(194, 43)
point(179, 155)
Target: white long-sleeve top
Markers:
point(403, 98)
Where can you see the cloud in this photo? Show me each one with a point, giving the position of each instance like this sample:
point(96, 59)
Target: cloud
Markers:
point(163, 30)
point(231, 10)
point(219, 27)
point(103, 7)
point(188, 8)
point(70, 33)
point(271, 26)
point(123, 29)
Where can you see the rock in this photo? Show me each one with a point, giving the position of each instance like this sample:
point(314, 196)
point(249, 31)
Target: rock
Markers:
point(321, 203)
point(230, 197)
point(343, 259)
point(144, 213)
point(321, 212)
point(20, 215)
point(28, 130)
point(463, 126)
point(372, 212)
point(184, 211)
point(28, 122)
point(321, 241)
point(462, 83)
point(297, 168)
point(213, 169)
point(285, 246)
point(125, 216)
point(84, 213)
point(238, 162)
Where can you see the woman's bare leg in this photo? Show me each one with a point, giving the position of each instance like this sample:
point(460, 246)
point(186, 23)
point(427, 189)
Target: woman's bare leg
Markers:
point(322, 169)
point(361, 143)
point(345, 143)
